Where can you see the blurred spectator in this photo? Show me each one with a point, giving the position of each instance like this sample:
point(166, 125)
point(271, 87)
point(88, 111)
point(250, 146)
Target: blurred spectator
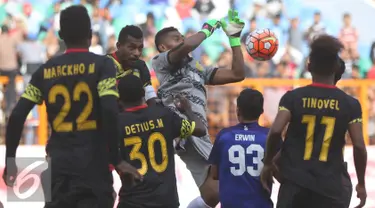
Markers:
point(289, 53)
point(8, 66)
point(372, 53)
point(257, 10)
point(350, 59)
point(277, 28)
point(33, 19)
point(295, 34)
point(204, 7)
point(52, 43)
point(349, 35)
point(98, 24)
point(33, 54)
point(274, 7)
point(355, 72)
point(317, 28)
point(183, 8)
point(371, 72)
point(96, 44)
point(158, 1)
point(263, 70)
point(253, 27)
point(56, 16)
point(149, 28)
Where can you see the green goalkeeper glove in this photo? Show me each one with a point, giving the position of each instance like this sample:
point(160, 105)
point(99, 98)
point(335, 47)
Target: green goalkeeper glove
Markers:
point(233, 27)
point(209, 27)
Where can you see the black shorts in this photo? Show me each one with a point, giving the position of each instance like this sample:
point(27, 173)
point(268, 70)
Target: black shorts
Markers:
point(294, 196)
point(67, 191)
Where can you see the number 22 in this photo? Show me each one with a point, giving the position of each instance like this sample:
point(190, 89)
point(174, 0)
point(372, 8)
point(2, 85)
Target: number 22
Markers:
point(58, 124)
point(310, 120)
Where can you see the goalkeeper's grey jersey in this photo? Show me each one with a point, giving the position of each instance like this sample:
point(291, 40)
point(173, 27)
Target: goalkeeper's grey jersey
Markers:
point(187, 78)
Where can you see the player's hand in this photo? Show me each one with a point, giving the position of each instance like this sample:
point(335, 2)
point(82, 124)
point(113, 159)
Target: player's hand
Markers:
point(210, 26)
point(266, 176)
point(361, 194)
point(10, 173)
point(233, 26)
point(125, 168)
point(182, 104)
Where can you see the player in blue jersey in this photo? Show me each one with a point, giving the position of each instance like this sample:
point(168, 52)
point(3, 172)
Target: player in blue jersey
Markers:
point(237, 156)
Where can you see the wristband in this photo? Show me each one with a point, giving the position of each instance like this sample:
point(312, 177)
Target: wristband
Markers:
point(234, 41)
point(206, 32)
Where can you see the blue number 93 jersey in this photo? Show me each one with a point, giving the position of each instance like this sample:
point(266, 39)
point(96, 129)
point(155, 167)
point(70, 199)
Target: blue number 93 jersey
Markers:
point(238, 153)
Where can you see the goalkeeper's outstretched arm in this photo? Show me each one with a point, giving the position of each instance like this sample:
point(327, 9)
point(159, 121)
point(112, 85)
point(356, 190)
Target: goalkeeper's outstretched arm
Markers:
point(176, 54)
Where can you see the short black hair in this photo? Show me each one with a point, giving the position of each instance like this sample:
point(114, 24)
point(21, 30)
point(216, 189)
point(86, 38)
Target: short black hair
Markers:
point(130, 88)
point(250, 104)
point(75, 25)
point(324, 58)
point(159, 37)
point(130, 30)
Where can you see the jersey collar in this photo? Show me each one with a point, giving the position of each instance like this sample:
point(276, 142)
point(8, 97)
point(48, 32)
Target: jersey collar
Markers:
point(76, 50)
point(315, 84)
point(136, 108)
point(115, 56)
point(250, 124)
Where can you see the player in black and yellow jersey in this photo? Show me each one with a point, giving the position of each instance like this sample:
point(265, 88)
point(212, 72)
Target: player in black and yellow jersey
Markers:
point(147, 142)
point(319, 115)
point(79, 90)
point(126, 59)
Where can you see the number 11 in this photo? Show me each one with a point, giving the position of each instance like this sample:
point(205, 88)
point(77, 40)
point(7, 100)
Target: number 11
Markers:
point(310, 120)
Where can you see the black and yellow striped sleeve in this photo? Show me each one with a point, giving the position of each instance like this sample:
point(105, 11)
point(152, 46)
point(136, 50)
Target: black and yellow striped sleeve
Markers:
point(33, 91)
point(107, 87)
point(107, 79)
point(33, 94)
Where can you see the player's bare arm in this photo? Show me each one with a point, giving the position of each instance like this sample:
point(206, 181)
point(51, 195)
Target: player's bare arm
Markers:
point(273, 142)
point(183, 105)
point(233, 28)
point(359, 153)
point(187, 45)
point(13, 137)
point(31, 96)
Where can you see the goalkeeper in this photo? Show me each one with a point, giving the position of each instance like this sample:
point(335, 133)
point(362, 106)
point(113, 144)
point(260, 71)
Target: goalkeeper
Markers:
point(179, 74)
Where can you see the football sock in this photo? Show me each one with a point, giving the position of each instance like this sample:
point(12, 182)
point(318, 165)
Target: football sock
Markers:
point(198, 203)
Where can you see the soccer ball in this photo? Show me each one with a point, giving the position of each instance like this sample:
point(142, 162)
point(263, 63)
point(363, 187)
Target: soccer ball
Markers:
point(262, 45)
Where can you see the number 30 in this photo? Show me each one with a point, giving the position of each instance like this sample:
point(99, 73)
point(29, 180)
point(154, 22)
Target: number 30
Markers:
point(136, 154)
point(241, 161)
